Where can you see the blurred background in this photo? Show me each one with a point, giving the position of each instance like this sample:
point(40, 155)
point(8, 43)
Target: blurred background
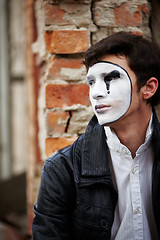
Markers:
point(44, 101)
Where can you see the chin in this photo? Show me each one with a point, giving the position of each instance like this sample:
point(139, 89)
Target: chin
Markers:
point(107, 122)
point(103, 122)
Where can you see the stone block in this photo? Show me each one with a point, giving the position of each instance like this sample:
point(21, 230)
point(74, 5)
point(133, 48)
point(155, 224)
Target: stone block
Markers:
point(80, 120)
point(66, 95)
point(128, 15)
point(53, 14)
point(77, 14)
point(66, 69)
point(103, 15)
point(56, 122)
point(54, 144)
point(67, 41)
point(68, 1)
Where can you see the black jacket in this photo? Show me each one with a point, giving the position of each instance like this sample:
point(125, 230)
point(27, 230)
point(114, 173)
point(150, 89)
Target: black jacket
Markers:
point(77, 198)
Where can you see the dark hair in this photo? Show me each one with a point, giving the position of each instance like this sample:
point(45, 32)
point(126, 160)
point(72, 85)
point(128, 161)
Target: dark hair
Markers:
point(143, 57)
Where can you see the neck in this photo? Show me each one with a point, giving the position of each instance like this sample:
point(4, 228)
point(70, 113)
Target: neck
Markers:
point(132, 132)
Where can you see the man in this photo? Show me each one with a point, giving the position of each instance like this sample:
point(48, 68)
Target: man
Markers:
point(107, 184)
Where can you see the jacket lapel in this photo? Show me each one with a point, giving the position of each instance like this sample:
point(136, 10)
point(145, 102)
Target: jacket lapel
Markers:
point(156, 170)
point(156, 135)
point(94, 151)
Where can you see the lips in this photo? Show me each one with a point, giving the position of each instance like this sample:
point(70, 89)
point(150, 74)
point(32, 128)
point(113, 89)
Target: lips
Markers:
point(102, 108)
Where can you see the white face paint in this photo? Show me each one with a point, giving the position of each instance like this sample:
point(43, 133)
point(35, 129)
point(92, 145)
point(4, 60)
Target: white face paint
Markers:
point(110, 91)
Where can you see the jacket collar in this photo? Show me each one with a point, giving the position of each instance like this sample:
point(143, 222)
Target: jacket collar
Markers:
point(156, 135)
point(94, 153)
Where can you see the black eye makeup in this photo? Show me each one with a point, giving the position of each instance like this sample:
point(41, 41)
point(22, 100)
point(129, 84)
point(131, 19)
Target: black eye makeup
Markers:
point(111, 76)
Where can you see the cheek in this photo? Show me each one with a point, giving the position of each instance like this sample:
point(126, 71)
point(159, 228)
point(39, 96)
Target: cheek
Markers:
point(91, 100)
point(90, 94)
point(115, 93)
point(121, 91)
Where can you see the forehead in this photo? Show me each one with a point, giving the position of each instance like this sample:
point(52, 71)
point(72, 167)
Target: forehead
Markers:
point(105, 67)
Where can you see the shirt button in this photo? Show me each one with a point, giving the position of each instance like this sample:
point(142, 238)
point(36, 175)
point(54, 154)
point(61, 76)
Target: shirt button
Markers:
point(137, 211)
point(103, 223)
point(133, 171)
point(123, 151)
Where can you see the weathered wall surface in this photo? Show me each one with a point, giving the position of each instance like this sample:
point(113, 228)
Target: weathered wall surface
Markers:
point(65, 30)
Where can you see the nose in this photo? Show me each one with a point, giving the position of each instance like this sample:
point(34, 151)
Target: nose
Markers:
point(98, 90)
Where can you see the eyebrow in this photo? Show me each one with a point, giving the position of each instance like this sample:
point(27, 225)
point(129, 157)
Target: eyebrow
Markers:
point(113, 74)
point(90, 77)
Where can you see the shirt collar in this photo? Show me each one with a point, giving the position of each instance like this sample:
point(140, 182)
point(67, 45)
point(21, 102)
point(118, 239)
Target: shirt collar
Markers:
point(115, 144)
point(149, 129)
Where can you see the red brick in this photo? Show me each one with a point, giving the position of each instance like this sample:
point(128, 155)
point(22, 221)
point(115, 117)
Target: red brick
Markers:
point(54, 144)
point(145, 9)
point(56, 122)
point(58, 63)
point(124, 15)
point(67, 41)
point(66, 95)
point(54, 14)
point(137, 32)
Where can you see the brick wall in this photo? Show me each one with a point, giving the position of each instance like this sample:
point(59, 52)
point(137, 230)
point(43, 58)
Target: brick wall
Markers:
point(66, 28)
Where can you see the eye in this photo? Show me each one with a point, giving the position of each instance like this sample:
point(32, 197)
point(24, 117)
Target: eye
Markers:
point(91, 82)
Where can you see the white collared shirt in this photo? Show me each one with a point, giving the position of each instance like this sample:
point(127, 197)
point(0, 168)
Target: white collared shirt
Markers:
point(134, 218)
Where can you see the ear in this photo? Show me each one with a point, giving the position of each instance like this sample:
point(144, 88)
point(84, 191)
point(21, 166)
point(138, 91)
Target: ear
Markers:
point(149, 89)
